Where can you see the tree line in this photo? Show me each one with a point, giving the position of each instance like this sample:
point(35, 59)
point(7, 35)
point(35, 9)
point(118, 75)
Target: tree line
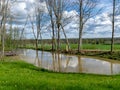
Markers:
point(86, 9)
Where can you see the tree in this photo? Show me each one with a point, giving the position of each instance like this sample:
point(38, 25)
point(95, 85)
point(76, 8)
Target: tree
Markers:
point(55, 10)
point(36, 20)
point(5, 6)
point(22, 32)
point(59, 7)
point(86, 9)
point(4, 12)
point(50, 5)
point(115, 11)
point(113, 26)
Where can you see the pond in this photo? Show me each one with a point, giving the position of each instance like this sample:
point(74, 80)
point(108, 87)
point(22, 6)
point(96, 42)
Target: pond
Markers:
point(70, 63)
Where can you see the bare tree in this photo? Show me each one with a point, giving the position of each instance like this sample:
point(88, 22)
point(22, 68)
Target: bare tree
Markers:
point(86, 9)
point(23, 30)
point(58, 4)
point(59, 7)
point(4, 11)
point(50, 6)
point(5, 6)
point(113, 26)
point(36, 23)
point(115, 11)
point(67, 42)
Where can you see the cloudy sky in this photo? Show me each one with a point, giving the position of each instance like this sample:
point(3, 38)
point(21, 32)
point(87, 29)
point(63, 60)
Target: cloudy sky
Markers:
point(96, 27)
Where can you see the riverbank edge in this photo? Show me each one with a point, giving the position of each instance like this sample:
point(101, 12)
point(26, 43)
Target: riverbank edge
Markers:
point(115, 55)
point(24, 64)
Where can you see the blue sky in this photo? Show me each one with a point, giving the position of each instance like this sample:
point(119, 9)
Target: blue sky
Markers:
point(97, 27)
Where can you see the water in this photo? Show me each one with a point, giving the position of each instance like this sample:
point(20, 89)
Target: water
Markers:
point(70, 63)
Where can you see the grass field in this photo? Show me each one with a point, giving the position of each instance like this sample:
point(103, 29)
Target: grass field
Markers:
point(18, 75)
point(84, 46)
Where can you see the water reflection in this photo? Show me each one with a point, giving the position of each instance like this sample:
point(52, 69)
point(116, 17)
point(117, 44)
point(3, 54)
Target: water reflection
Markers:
point(37, 60)
point(66, 63)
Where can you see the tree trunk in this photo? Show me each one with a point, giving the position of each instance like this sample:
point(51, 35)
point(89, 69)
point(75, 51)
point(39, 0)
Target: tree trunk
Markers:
point(80, 27)
point(3, 39)
point(36, 43)
point(53, 38)
point(113, 27)
point(80, 42)
point(3, 44)
point(58, 39)
point(67, 42)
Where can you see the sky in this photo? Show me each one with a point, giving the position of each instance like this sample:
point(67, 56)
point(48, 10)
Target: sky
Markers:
point(96, 27)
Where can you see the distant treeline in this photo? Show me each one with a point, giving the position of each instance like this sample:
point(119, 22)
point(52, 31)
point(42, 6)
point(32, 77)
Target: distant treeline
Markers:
point(75, 40)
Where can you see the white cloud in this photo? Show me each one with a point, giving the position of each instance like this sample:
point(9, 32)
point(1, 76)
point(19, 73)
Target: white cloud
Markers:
point(32, 4)
point(99, 26)
point(67, 14)
point(19, 9)
point(102, 26)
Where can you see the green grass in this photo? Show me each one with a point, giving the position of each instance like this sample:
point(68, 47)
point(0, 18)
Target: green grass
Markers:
point(84, 46)
point(96, 46)
point(18, 75)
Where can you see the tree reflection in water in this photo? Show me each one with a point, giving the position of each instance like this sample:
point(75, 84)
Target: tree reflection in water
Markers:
point(37, 60)
point(70, 63)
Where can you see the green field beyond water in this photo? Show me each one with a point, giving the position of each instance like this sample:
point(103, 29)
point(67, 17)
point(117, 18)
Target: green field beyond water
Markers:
point(84, 46)
point(93, 47)
point(18, 75)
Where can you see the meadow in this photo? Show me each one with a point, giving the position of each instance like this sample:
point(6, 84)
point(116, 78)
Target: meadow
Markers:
point(18, 75)
point(102, 47)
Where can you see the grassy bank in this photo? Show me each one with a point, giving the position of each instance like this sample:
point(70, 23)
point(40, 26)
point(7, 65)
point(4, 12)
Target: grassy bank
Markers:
point(18, 75)
point(97, 50)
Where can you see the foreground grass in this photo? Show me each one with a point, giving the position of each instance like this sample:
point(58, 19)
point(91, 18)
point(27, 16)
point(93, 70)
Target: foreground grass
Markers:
point(18, 75)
